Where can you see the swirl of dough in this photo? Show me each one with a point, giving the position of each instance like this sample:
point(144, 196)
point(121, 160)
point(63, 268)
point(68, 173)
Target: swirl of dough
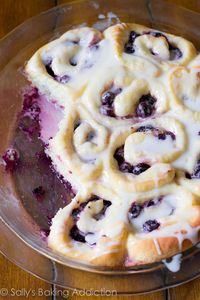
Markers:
point(160, 140)
point(120, 99)
point(184, 86)
point(62, 68)
point(145, 50)
point(77, 149)
point(163, 222)
point(92, 228)
point(140, 158)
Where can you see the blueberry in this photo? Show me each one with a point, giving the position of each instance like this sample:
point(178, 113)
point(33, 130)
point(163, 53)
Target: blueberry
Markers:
point(11, 159)
point(188, 175)
point(156, 34)
point(133, 35)
point(50, 70)
point(135, 210)
point(151, 225)
point(140, 168)
point(152, 202)
point(129, 48)
point(119, 155)
point(129, 45)
point(107, 98)
point(162, 136)
point(77, 235)
point(146, 106)
point(196, 172)
point(171, 134)
point(107, 110)
point(125, 167)
point(62, 79)
point(145, 128)
point(76, 211)
point(175, 53)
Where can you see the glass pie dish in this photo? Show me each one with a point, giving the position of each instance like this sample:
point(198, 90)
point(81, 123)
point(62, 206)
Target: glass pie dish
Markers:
point(19, 217)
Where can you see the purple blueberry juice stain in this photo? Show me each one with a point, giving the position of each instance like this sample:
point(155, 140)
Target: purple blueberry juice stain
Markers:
point(11, 158)
point(40, 190)
point(38, 193)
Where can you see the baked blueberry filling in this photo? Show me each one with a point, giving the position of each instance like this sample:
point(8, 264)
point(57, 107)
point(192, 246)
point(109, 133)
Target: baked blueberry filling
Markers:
point(175, 53)
point(152, 202)
point(107, 101)
point(146, 106)
point(151, 225)
point(62, 79)
point(140, 168)
point(145, 128)
point(129, 47)
point(75, 233)
point(125, 167)
point(196, 173)
point(135, 210)
point(160, 133)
